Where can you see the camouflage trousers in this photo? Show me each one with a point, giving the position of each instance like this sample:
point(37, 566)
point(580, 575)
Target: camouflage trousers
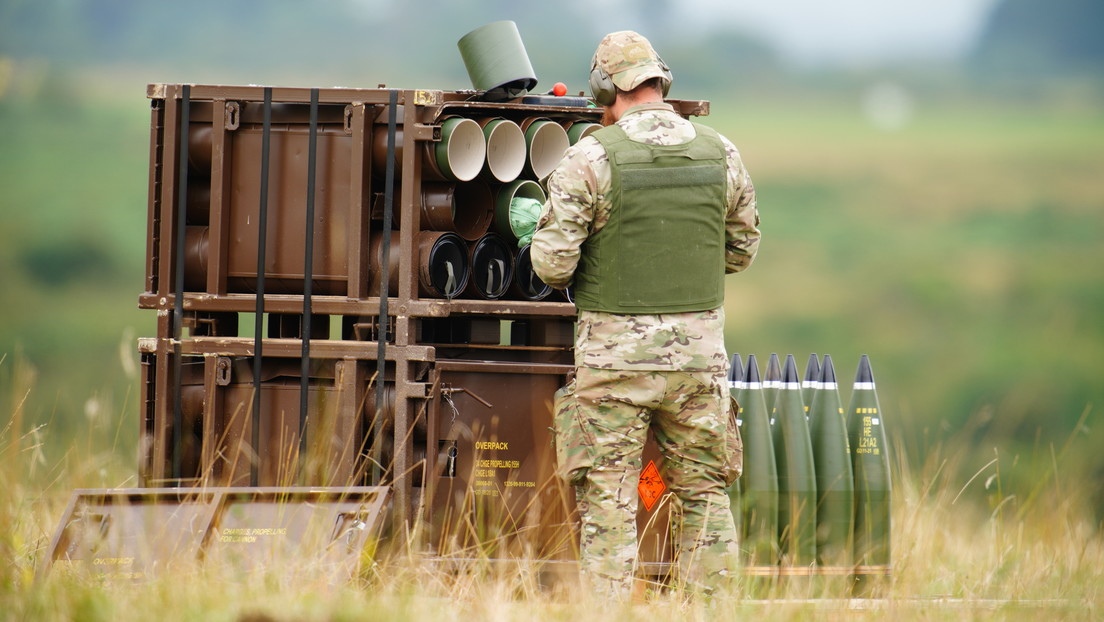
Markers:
point(688, 414)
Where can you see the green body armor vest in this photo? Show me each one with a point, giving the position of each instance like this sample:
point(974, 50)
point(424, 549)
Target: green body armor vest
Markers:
point(663, 248)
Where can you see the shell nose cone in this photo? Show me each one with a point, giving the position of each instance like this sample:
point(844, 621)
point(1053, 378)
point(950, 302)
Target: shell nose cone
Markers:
point(736, 368)
point(812, 369)
point(827, 369)
point(751, 372)
point(789, 373)
point(864, 374)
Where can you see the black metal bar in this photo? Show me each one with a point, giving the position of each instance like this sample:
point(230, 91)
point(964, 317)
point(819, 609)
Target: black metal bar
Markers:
point(258, 333)
point(178, 290)
point(308, 276)
point(385, 274)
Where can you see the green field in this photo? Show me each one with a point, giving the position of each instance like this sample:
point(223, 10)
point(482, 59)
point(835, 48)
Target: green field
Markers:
point(961, 252)
point(953, 559)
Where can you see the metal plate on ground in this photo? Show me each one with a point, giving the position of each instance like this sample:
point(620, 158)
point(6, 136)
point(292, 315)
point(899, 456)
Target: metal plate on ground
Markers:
point(141, 533)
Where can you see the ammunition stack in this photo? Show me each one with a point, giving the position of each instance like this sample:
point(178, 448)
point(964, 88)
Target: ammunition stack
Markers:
point(813, 503)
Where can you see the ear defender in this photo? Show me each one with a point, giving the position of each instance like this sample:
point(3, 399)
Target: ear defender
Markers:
point(603, 89)
point(666, 79)
point(601, 85)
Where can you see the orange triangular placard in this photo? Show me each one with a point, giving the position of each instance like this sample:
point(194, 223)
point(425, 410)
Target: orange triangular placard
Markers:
point(651, 485)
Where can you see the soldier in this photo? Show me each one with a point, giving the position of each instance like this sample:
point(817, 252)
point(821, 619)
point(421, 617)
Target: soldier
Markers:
point(644, 219)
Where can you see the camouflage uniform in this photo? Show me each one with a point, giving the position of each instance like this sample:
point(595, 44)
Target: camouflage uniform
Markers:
point(664, 371)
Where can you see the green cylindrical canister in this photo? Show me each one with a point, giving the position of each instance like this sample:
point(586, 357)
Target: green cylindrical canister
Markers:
point(579, 130)
point(834, 477)
point(460, 153)
point(506, 149)
point(458, 156)
point(796, 478)
point(497, 63)
point(504, 204)
point(546, 141)
point(870, 461)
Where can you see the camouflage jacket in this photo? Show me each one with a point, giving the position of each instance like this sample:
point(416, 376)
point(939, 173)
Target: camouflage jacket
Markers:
point(579, 204)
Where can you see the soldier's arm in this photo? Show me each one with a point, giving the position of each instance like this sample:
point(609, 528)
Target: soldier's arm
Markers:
point(742, 221)
point(565, 220)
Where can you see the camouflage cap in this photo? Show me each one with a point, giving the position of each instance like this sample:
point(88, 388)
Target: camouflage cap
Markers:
point(629, 59)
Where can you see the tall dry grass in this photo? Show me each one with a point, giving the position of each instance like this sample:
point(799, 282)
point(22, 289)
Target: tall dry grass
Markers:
point(964, 547)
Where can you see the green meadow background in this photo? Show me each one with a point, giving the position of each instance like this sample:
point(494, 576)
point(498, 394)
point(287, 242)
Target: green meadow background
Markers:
point(943, 218)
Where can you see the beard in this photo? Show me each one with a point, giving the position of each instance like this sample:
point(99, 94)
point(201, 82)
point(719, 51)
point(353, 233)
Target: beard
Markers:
point(607, 116)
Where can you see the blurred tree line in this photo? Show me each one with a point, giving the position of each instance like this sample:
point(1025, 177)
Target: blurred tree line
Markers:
point(393, 41)
point(361, 42)
point(412, 43)
point(1031, 38)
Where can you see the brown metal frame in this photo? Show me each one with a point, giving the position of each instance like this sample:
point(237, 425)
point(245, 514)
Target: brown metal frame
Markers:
point(412, 366)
